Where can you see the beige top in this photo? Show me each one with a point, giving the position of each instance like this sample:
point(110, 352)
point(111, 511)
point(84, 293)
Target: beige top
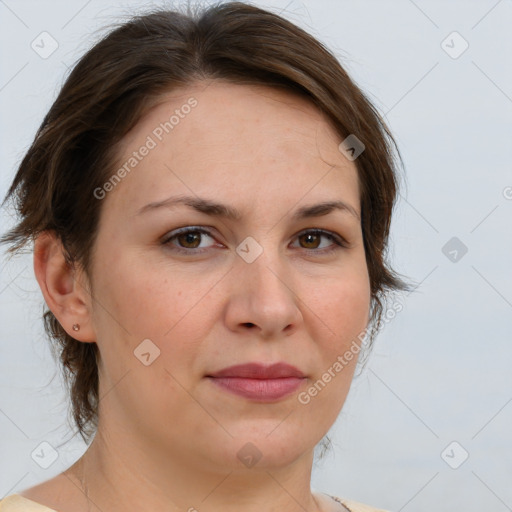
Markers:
point(17, 503)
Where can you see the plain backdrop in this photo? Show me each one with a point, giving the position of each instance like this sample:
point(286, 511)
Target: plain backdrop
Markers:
point(427, 424)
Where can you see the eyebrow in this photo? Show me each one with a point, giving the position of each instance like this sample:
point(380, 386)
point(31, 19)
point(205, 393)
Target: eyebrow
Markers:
point(213, 208)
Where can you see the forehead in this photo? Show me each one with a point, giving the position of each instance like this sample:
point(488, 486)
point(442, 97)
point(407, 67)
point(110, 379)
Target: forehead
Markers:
point(214, 107)
point(222, 137)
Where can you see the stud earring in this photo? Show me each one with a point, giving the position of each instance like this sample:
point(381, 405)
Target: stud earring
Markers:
point(76, 327)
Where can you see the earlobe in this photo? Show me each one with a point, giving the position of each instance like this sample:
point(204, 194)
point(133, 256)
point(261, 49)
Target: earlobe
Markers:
point(65, 295)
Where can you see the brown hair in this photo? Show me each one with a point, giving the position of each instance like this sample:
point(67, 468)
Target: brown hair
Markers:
point(115, 83)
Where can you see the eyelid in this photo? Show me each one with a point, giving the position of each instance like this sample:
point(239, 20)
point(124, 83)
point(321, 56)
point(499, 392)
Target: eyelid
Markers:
point(339, 241)
point(335, 237)
point(205, 230)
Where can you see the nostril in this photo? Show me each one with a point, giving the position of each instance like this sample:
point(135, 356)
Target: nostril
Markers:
point(249, 324)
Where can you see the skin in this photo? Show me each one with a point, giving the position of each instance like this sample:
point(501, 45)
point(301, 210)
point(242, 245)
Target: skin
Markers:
point(168, 437)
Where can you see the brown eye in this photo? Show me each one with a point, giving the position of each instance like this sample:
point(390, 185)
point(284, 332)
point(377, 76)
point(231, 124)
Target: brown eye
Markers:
point(311, 240)
point(190, 240)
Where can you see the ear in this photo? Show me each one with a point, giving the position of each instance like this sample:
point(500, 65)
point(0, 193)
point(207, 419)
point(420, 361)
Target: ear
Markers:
point(65, 289)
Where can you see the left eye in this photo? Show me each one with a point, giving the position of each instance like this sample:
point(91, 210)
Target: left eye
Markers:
point(313, 238)
point(189, 240)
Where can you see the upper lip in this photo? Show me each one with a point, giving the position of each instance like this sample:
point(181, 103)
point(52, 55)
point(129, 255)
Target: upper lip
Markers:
point(259, 371)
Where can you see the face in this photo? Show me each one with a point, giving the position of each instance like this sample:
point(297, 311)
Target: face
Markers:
point(185, 288)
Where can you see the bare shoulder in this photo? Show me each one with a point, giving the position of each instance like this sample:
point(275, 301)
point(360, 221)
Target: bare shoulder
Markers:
point(58, 493)
point(44, 493)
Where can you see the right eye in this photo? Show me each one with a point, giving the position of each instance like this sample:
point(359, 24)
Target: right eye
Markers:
point(189, 240)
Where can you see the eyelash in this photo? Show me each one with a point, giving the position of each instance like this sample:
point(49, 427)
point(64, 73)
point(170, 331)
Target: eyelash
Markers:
point(339, 242)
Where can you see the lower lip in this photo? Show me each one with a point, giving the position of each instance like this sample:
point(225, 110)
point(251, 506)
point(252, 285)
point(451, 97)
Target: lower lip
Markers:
point(259, 389)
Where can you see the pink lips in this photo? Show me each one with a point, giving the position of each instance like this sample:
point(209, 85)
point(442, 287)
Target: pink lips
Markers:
point(258, 381)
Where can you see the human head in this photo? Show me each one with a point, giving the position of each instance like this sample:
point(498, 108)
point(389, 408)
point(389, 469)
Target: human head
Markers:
point(124, 76)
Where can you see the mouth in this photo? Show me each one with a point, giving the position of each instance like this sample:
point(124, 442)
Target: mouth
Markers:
point(259, 382)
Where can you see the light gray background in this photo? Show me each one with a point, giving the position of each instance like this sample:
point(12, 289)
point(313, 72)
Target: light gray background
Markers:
point(440, 371)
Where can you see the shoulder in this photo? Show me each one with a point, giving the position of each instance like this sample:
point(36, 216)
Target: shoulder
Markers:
point(356, 506)
point(58, 493)
point(17, 503)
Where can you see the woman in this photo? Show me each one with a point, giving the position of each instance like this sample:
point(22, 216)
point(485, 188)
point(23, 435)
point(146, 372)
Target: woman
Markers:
point(210, 199)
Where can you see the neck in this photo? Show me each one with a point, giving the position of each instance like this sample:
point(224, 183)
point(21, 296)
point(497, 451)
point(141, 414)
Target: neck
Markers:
point(119, 474)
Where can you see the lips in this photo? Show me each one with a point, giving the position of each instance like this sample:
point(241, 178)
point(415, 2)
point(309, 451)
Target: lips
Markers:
point(260, 371)
point(259, 382)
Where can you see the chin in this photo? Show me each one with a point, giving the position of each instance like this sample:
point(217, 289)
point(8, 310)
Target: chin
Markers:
point(261, 450)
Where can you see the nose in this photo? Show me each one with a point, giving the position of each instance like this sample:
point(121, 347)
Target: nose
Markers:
point(262, 298)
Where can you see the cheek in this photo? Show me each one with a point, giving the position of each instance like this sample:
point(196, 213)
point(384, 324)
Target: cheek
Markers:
point(139, 303)
point(156, 302)
point(149, 300)
point(340, 313)
point(342, 305)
